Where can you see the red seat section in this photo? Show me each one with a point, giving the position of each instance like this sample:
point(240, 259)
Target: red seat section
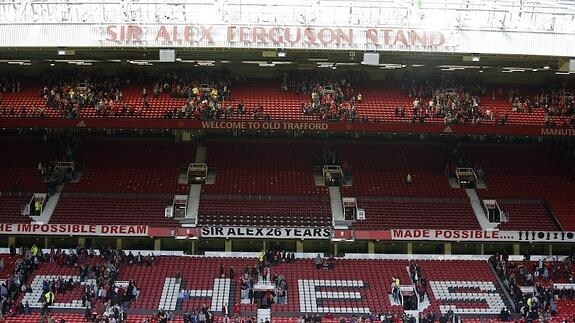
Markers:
point(270, 168)
point(527, 172)
point(269, 183)
point(417, 214)
point(379, 101)
point(143, 174)
point(132, 166)
point(142, 209)
point(19, 165)
point(9, 264)
point(11, 207)
point(381, 170)
point(357, 284)
point(286, 213)
point(528, 215)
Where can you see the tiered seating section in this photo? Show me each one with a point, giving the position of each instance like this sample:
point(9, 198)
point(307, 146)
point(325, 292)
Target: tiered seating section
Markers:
point(19, 165)
point(379, 184)
point(527, 172)
point(356, 286)
point(270, 183)
point(380, 169)
point(379, 101)
point(290, 213)
point(125, 182)
point(269, 168)
point(11, 208)
point(460, 276)
point(528, 215)
point(19, 175)
point(132, 166)
point(139, 209)
point(418, 214)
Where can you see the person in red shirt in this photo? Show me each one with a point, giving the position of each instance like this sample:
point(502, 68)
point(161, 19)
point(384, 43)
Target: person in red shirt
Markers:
point(237, 310)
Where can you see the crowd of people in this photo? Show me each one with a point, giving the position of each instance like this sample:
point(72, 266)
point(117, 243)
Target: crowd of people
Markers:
point(202, 314)
point(16, 283)
point(206, 94)
point(558, 103)
point(449, 99)
point(541, 301)
point(69, 92)
point(98, 272)
point(99, 277)
point(10, 84)
point(331, 97)
point(262, 272)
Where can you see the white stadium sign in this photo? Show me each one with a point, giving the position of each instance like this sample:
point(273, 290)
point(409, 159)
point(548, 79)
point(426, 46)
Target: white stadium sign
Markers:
point(265, 233)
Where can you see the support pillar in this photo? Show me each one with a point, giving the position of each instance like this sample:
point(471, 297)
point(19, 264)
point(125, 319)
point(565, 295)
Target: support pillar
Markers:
point(516, 249)
point(46, 243)
point(194, 247)
point(157, 244)
point(119, 244)
point(370, 247)
point(81, 242)
point(550, 251)
point(447, 248)
point(228, 245)
point(335, 249)
point(299, 246)
point(265, 245)
point(410, 248)
point(481, 249)
point(11, 241)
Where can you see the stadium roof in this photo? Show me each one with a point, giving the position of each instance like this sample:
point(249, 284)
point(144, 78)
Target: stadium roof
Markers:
point(543, 15)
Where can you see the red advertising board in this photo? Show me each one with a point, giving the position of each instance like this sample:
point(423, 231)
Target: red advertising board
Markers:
point(288, 125)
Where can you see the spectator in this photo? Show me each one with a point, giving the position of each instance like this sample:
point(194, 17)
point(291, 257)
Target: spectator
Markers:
point(318, 262)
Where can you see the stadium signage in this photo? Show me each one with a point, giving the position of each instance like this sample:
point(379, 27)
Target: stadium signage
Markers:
point(264, 125)
point(561, 132)
point(265, 233)
point(449, 235)
point(546, 236)
point(273, 36)
point(480, 235)
point(74, 229)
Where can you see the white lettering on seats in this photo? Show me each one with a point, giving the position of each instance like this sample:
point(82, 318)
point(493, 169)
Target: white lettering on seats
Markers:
point(169, 298)
point(35, 300)
point(310, 294)
point(220, 294)
point(452, 295)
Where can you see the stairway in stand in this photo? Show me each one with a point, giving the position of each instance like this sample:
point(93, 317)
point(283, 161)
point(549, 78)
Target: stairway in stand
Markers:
point(264, 314)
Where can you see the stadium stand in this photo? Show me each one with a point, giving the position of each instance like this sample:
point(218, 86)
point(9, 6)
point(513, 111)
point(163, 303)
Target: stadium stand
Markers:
point(381, 170)
point(417, 213)
point(287, 213)
point(124, 182)
point(263, 184)
point(268, 168)
point(276, 162)
point(146, 209)
point(20, 171)
point(380, 102)
point(512, 170)
point(11, 208)
point(528, 215)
